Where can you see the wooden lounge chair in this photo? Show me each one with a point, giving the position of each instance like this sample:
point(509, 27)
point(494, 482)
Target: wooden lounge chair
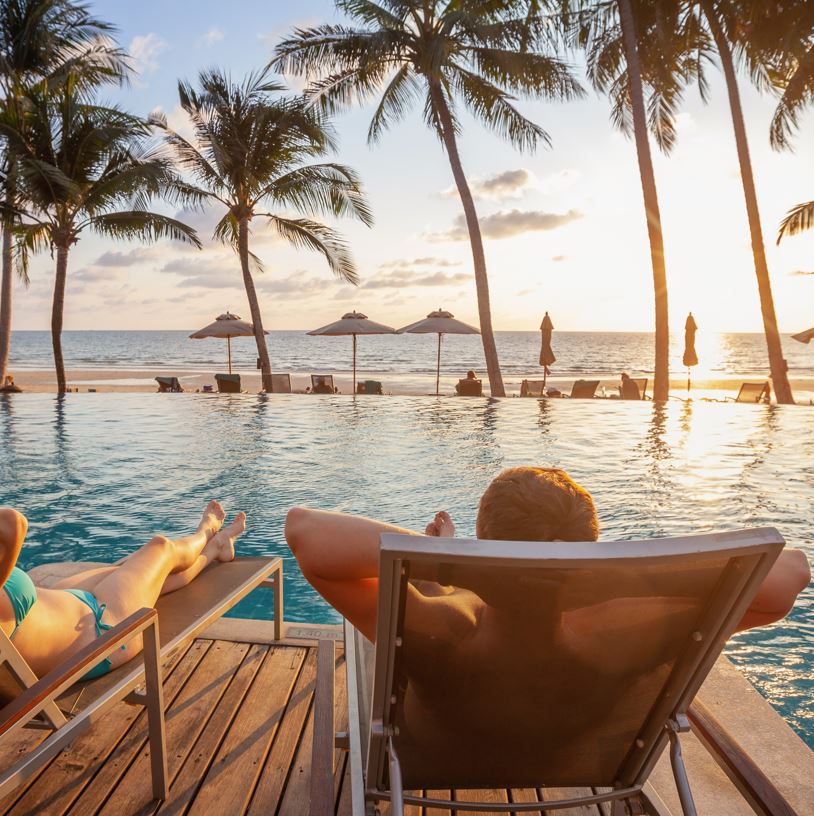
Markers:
point(634, 389)
point(469, 387)
point(373, 387)
point(228, 383)
point(532, 388)
point(603, 648)
point(584, 389)
point(322, 384)
point(280, 383)
point(169, 385)
point(67, 706)
point(754, 392)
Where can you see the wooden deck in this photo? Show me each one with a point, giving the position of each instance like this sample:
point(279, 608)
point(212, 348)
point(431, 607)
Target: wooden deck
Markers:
point(239, 741)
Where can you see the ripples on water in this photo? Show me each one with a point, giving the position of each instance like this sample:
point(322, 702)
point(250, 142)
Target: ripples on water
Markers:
point(98, 474)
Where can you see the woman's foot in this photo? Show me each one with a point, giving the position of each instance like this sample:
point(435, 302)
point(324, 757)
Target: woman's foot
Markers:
point(441, 526)
point(227, 536)
point(212, 519)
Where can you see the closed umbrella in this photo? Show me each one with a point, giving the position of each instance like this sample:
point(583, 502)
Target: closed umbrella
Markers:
point(352, 323)
point(225, 327)
point(547, 357)
point(804, 337)
point(690, 357)
point(440, 323)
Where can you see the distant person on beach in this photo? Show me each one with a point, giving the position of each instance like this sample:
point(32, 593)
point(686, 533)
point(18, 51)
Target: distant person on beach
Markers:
point(630, 391)
point(8, 386)
point(49, 625)
point(339, 553)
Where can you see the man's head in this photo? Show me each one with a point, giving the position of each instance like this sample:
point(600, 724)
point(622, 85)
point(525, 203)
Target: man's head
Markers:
point(536, 504)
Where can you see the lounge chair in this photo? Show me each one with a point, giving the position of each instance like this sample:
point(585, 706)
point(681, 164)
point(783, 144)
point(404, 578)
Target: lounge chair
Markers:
point(604, 646)
point(280, 383)
point(228, 383)
point(532, 388)
point(322, 384)
point(584, 389)
point(369, 387)
point(168, 385)
point(67, 706)
point(469, 387)
point(754, 392)
point(635, 388)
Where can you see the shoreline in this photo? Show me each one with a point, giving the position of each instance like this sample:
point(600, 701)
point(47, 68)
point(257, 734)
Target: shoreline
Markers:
point(140, 380)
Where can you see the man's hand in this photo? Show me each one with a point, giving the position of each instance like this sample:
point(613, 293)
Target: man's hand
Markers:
point(441, 526)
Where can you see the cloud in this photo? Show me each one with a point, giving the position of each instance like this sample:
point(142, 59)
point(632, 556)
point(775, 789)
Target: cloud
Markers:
point(404, 278)
point(508, 184)
point(214, 35)
point(215, 270)
point(406, 263)
point(802, 273)
point(132, 257)
point(297, 283)
point(558, 258)
point(144, 51)
point(508, 224)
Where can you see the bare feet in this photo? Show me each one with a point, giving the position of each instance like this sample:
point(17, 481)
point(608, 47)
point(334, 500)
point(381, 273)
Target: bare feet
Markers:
point(441, 526)
point(226, 537)
point(212, 519)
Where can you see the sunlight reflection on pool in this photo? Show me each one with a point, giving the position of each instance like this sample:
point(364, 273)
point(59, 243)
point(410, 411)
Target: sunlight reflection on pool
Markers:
point(98, 474)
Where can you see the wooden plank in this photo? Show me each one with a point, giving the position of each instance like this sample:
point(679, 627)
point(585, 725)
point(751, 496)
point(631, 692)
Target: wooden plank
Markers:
point(344, 806)
point(96, 792)
point(230, 781)
point(322, 755)
point(188, 716)
point(444, 795)
point(525, 795)
point(188, 778)
point(295, 795)
point(341, 720)
point(278, 767)
point(551, 794)
point(59, 785)
point(479, 796)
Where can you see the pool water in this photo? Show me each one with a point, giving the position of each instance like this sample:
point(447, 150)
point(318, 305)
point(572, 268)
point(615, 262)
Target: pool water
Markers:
point(98, 474)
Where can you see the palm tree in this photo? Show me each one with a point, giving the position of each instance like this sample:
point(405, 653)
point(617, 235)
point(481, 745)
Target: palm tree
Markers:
point(248, 150)
point(87, 167)
point(630, 45)
point(727, 24)
point(479, 54)
point(39, 39)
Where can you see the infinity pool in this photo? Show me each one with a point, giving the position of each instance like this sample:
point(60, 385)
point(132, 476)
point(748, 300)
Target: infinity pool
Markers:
point(97, 474)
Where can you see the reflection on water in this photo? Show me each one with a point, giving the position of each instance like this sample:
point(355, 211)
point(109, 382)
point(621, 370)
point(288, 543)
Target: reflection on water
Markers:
point(98, 474)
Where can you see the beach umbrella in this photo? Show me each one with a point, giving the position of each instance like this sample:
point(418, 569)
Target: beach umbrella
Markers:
point(804, 337)
point(690, 357)
point(352, 323)
point(547, 357)
point(225, 327)
point(440, 323)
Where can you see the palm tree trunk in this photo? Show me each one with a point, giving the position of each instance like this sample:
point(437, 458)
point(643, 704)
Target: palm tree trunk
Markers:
point(6, 294)
point(661, 382)
point(777, 364)
point(475, 239)
point(57, 310)
point(254, 306)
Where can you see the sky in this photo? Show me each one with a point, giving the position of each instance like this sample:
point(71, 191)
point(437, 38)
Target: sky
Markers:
point(564, 227)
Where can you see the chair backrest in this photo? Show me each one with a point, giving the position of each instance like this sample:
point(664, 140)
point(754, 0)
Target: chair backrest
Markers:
point(633, 388)
point(228, 383)
point(169, 384)
point(753, 392)
point(584, 389)
point(373, 387)
point(532, 388)
point(281, 383)
point(469, 387)
point(322, 383)
point(589, 650)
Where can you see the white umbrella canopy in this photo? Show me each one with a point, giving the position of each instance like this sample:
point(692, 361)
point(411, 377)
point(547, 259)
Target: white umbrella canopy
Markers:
point(804, 337)
point(352, 323)
point(225, 327)
point(439, 322)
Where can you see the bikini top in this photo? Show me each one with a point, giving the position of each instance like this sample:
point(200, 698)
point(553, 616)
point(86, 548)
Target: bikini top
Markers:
point(22, 593)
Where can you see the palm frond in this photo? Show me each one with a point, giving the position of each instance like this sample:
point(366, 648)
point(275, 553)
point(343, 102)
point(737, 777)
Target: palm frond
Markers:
point(142, 226)
point(797, 220)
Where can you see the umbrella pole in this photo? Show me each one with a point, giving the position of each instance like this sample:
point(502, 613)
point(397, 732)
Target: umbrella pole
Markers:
point(688, 379)
point(229, 347)
point(354, 364)
point(438, 369)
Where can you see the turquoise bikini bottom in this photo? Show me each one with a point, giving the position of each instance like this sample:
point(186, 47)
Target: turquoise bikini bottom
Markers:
point(89, 599)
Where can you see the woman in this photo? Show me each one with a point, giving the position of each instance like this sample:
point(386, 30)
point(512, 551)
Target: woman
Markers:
point(49, 625)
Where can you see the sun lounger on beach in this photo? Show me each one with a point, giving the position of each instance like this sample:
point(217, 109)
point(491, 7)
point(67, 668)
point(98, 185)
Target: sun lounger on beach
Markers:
point(754, 392)
point(228, 383)
point(532, 388)
point(369, 387)
point(322, 384)
point(598, 651)
point(66, 706)
point(280, 383)
point(469, 387)
point(584, 389)
point(633, 388)
point(169, 385)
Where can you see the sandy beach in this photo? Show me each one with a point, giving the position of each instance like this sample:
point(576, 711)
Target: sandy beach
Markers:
point(143, 381)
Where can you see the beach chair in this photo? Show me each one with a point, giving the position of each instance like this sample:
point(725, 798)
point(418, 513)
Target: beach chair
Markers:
point(754, 392)
point(322, 384)
point(584, 389)
point(469, 387)
point(62, 704)
point(370, 387)
point(532, 388)
point(596, 651)
point(280, 383)
point(634, 389)
point(228, 383)
point(169, 385)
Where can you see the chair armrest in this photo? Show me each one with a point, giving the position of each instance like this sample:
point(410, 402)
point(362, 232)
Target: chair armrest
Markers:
point(28, 704)
point(322, 750)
